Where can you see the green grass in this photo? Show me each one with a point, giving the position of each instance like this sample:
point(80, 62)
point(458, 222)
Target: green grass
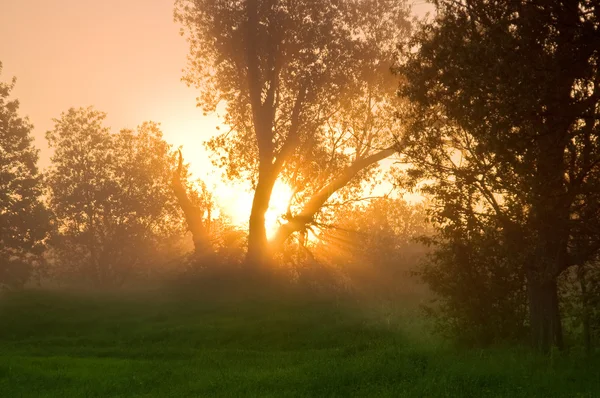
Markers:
point(84, 345)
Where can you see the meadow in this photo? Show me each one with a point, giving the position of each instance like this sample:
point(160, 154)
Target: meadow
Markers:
point(163, 344)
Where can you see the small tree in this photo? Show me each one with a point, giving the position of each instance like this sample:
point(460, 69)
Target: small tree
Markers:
point(111, 196)
point(23, 217)
point(478, 281)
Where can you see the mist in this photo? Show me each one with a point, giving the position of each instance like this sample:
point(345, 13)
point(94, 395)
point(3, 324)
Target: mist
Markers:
point(274, 197)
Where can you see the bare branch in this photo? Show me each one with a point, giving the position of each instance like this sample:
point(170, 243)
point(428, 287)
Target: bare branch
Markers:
point(320, 198)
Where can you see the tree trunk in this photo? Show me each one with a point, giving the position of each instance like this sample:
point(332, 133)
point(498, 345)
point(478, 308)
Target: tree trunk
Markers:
point(95, 265)
point(550, 212)
point(549, 261)
point(193, 215)
point(258, 250)
point(544, 315)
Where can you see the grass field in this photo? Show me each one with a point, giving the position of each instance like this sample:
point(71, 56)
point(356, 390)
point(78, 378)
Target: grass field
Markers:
point(154, 345)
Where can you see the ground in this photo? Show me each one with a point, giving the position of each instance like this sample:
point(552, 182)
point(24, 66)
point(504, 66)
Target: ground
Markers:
point(57, 344)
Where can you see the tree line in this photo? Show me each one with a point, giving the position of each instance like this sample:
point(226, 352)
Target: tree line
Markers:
point(490, 109)
point(120, 207)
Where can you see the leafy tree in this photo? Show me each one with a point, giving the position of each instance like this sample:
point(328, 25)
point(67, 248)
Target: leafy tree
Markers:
point(293, 75)
point(111, 196)
point(505, 98)
point(580, 288)
point(478, 282)
point(23, 217)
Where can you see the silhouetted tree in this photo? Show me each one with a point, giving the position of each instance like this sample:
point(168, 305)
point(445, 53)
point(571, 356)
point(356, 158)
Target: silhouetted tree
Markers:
point(197, 206)
point(478, 280)
point(284, 69)
point(23, 217)
point(580, 288)
point(506, 98)
point(111, 195)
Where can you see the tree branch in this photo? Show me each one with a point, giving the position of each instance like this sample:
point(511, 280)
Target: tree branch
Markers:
point(193, 215)
point(262, 126)
point(293, 135)
point(317, 201)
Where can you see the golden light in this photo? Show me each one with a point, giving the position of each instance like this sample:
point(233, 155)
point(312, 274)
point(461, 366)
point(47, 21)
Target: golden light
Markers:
point(280, 198)
point(237, 203)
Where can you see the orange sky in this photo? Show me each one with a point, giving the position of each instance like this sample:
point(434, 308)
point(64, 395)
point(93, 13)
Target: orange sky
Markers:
point(124, 57)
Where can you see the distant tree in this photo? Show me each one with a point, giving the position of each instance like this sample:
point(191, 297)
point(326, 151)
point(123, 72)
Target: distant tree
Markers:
point(505, 98)
point(23, 217)
point(580, 288)
point(111, 196)
point(377, 245)
point(285, 69)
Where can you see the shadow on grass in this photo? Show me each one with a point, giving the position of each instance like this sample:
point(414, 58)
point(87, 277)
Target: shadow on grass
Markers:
point(252, 338)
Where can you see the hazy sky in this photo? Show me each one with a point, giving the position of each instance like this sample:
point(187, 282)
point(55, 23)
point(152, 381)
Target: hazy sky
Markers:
point(124, 57)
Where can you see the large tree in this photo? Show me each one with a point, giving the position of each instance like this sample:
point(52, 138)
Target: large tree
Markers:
point(111, 195)
point(23, 217)
point(506, 103)
point(284, 69)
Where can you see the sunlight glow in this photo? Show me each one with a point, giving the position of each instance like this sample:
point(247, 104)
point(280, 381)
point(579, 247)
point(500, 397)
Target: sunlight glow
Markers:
point(282, 193)
point(237, 203)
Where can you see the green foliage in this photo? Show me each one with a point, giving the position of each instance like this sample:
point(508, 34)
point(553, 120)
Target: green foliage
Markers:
point(580, 290)
point(479, 286)
point(504, 99)
point(111, 195)
point(23, 217)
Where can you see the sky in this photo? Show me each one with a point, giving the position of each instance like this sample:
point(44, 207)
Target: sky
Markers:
point(124, 57)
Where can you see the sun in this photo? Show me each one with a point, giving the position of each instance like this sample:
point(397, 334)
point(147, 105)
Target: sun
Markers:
point(280, 198)
point(237, 202)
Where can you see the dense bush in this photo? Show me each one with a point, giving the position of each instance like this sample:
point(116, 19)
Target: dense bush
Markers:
point(480, 291)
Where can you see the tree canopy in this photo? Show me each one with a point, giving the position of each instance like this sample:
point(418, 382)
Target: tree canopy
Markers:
point(304, 84)
point(23, 217)
point(110, 194)
point(505, 98)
